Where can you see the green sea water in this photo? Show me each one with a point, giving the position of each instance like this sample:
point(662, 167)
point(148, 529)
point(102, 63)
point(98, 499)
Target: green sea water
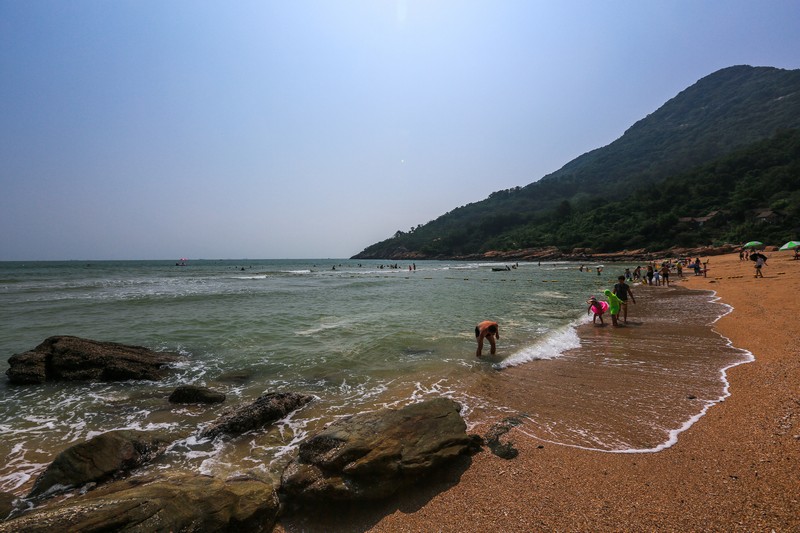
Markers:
point(357, 335)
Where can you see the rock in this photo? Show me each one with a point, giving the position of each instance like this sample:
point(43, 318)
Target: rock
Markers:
point(266, 409)
point(98, 459)
point(179, 502)
point(372, 455)
point(8, 503)
point(503, 450)
point(195, 394)
point(235, 376)
point(72, 358)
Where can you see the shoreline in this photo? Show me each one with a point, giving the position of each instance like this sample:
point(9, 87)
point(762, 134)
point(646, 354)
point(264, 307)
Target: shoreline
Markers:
point(631, 389)
point(736, 468)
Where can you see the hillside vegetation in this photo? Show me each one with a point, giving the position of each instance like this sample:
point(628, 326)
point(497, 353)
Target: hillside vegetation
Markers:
point(727, 144)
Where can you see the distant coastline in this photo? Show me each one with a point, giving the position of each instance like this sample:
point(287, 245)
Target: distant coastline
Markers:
point(552, 253)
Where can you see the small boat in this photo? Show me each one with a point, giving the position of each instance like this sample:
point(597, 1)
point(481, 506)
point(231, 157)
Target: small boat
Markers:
point(501, 269)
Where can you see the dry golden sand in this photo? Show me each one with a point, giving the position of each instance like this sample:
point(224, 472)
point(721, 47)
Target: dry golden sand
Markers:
point(738, 468)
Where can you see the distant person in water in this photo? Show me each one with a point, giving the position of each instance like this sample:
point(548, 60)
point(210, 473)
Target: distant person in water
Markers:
point(487, 330)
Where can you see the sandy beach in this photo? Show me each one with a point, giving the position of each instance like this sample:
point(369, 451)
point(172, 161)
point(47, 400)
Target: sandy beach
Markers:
point(737, 468)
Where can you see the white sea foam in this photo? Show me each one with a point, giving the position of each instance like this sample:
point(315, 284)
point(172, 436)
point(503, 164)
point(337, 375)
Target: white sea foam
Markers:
point(552, 345)
point(322, 327)
point(552, 294)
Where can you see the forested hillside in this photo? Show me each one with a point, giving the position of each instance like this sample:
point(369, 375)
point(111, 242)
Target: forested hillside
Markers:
point(708, 133)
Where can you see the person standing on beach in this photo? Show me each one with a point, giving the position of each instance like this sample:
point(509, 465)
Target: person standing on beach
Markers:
point(665, 274)
point(622, 290)
point(761, 261)
point(487, 330)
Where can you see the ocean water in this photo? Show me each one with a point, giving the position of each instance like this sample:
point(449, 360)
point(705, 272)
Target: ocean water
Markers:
point(357, 335)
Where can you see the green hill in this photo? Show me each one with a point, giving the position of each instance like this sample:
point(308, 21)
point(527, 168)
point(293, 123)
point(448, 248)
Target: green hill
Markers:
point(727, 111)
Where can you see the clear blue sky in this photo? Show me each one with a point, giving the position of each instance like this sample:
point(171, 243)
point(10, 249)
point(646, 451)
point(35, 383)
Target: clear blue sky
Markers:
point(158, 129)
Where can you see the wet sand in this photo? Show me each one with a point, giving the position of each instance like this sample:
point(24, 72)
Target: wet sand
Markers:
point(737, 468)
point(625, 388)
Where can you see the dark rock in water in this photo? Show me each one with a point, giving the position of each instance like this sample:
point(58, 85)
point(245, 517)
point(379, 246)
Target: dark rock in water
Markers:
point(372, 455)
point(236, 376)
point(266, 409)
point(99, 459)
point(179, 502)
point(64, 358)
point(195, 394)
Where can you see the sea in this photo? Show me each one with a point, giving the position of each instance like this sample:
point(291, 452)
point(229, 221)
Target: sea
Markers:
point(357, 335)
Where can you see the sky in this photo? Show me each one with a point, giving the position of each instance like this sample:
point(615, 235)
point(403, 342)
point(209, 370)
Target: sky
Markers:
point(161, 129)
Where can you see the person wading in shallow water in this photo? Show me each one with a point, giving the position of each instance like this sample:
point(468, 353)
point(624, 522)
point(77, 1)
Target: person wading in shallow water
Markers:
point(622, 290)
point(487, 330)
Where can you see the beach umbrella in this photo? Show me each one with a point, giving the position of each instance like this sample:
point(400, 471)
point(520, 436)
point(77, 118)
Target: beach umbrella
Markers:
point(754, 244)
point(790, 245)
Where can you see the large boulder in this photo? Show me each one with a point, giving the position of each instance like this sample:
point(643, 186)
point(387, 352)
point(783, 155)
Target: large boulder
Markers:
point(266, 409)
point(372, 455)
point(179, 502)
point(98, 459)
point(195, 394)
point(65, 358)
point(8, 503)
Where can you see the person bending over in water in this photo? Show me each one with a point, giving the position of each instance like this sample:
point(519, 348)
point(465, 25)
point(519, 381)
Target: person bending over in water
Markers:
point(487, 330)
point(597, 308)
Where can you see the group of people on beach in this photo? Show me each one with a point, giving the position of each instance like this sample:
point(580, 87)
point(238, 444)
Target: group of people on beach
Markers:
point(758, 258)
point(616, 303)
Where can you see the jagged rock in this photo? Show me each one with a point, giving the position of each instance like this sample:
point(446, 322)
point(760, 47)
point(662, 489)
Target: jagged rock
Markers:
point(179, 502)
point(98, 459)
point(372, 455)
point(65, 358)
point(266, 409)
point(195, 394)
point(8, 503)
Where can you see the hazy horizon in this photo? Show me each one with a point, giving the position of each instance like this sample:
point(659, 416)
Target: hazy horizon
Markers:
point(308, 130)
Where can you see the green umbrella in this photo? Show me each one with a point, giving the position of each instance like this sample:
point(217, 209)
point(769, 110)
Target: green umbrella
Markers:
point(754, 244)
point(789, 245)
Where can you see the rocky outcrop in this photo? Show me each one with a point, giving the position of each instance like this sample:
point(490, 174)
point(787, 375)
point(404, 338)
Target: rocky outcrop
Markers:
point(65, 358)
point(372, 455)
point(195, 394)
point(266, 409)
point(552, 253)
point(179, 502)
point(8, 503)
point(98, 459)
